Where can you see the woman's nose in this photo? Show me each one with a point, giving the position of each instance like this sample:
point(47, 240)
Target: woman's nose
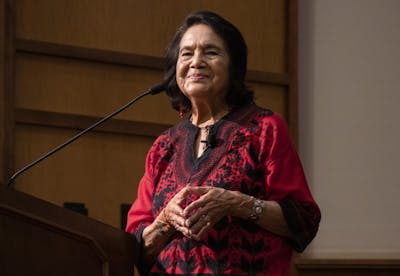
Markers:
point(197, 60)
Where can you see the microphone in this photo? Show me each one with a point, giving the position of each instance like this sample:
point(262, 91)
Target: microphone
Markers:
point(211, 140)
point(156, 89)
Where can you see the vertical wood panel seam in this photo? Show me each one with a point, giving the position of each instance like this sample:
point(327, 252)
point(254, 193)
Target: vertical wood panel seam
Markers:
point(292, 53)
point(8, 93)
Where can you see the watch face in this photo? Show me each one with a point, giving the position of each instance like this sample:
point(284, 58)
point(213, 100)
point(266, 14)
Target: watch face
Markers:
point(257, 210)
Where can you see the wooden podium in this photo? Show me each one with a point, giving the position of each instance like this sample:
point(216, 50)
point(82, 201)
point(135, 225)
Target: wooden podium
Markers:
point(40, 238)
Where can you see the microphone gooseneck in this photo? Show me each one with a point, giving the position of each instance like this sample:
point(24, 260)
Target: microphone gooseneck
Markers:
point(158, 88)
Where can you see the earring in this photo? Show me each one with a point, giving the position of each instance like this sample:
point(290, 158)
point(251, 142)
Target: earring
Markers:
point(181, 111)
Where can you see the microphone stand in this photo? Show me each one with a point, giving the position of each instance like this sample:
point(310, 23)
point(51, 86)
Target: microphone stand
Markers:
point(153, 91)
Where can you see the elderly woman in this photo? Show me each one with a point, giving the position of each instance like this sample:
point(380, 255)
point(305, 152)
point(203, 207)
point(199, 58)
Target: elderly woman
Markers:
point(224, 191)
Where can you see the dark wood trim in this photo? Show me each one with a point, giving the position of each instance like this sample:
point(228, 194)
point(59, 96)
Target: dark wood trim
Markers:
point(7, 79)
point(80, 122)
point(88, 54)
point(2, 92)
point(128, 59)
point(310, 264)
point(292, 68)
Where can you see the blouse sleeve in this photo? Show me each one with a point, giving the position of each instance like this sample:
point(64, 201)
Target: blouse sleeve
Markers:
point(286, 183)
point(141, 214)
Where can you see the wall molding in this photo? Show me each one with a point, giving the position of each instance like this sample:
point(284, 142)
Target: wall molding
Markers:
point(80, 122)
point(125, 59)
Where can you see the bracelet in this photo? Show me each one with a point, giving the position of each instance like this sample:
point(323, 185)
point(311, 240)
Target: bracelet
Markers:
point(256, 210)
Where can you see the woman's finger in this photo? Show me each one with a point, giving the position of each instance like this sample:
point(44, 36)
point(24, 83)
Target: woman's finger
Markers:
point(206, 196)
point(201, 227)
point(198, 190)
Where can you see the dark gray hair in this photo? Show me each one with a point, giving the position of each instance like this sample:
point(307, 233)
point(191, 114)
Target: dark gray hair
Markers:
point(238, 94)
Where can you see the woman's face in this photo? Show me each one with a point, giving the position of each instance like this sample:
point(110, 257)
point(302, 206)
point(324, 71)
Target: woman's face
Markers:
point(202, 69)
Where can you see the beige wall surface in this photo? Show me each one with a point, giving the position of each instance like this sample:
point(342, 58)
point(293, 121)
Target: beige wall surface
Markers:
point(349, 123)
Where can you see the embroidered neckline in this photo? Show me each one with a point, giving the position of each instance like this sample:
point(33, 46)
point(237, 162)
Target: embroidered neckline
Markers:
point(209, 125)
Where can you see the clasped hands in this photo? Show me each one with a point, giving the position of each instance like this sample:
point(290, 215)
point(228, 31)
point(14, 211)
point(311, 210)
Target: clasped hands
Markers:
point(195, 218)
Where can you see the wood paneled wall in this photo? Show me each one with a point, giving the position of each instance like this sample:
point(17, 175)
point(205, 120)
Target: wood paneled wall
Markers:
point(76, 61)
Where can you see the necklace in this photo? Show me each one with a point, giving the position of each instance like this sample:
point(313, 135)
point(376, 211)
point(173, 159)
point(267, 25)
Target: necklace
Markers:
point(205, 141)
point(212, 121)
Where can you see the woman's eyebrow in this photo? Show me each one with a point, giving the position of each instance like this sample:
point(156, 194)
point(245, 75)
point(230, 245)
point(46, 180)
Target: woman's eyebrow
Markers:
point(205, 46)
point(212, 46)
point(185, 48)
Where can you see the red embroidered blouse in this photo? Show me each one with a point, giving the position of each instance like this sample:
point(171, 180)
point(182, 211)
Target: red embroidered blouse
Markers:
point(250, 152)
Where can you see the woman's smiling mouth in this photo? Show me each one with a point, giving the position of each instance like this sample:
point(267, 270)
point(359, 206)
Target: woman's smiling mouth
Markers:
point(196, 77)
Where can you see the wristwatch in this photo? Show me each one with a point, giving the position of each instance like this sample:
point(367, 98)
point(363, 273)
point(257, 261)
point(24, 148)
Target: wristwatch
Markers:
point(257, 210)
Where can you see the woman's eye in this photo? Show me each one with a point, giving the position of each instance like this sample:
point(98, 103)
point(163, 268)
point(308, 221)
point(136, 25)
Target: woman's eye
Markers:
point(186, 54)
point(212, 53)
